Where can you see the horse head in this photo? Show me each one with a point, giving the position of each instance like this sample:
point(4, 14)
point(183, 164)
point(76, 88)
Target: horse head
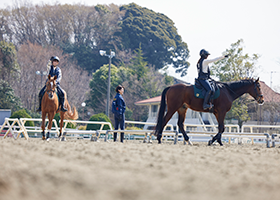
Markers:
point(51, 86)
point(257, 93)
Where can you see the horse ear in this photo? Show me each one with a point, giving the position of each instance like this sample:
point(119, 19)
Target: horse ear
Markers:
point(257, 79)
point(55, 77)
point(49, 76)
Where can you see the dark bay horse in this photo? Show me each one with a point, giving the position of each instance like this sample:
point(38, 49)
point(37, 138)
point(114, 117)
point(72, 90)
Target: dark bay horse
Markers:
point(180, 97)
point(50, 106)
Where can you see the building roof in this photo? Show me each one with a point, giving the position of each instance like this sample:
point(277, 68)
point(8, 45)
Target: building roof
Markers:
point(268, 94)
point(154, 100)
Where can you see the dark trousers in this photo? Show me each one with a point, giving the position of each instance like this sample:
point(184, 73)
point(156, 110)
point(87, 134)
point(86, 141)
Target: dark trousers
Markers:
point(206, 84)
point(119, 122)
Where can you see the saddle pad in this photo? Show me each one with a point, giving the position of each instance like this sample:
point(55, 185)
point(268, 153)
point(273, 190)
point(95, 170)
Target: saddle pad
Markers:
point(198, 93)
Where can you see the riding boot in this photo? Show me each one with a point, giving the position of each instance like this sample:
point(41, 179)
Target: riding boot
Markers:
point(206, 100)
point(40, 101)
point(122, 137)
point(41, 94)
point(62, 108)
point(115, 137)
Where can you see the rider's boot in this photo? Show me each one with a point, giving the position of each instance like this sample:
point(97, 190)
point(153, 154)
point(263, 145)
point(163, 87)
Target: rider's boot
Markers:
point(206, 104)
point(40, 101)
point(62, 107)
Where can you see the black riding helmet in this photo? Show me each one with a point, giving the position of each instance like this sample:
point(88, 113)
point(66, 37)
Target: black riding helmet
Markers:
point(204, 53)
point(55, 58)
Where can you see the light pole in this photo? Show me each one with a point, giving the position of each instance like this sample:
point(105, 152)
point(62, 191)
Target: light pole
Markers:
point(41, 73)
point(83, 105)
point(111, 55)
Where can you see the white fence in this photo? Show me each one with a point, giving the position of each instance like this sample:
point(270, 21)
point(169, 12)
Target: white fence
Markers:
point(18, 127)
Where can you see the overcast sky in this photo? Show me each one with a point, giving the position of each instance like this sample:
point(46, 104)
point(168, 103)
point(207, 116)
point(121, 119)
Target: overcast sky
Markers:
point(215, 25)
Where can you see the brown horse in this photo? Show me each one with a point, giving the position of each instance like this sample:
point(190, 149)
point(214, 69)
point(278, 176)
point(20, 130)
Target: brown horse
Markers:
point(180, 97)
point(50, 106)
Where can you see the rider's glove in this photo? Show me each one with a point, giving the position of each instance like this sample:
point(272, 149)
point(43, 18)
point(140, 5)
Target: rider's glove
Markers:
point(227, 55)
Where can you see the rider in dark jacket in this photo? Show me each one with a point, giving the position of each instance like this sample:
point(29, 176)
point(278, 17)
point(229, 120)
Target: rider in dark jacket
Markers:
point(53, 70)
point(204, 75)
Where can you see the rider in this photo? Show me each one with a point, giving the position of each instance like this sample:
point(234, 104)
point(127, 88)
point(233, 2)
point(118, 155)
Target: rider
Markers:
point(204, 75)
point(53, 70)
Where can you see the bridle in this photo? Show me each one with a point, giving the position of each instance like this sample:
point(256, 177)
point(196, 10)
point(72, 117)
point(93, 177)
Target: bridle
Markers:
point(259, 96)
point(52, 90)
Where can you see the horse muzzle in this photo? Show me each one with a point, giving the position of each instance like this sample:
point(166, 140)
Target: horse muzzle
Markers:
point(260, 100)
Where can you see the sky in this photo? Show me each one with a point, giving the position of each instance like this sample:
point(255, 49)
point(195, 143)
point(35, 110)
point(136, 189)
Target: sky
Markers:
point(214, 25)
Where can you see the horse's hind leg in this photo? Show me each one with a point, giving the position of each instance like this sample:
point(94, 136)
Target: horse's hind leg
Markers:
point(166, 118)
point(181, 118)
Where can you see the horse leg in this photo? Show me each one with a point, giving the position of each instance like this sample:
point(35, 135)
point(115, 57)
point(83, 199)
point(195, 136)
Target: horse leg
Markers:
point(166, 118)
point(43, 125)
point(182, 115)
point(220, 118)
point(50, 116)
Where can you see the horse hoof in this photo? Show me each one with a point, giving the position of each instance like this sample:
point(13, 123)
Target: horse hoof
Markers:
point(210, 142)
point(190, 143)
point(43, 138)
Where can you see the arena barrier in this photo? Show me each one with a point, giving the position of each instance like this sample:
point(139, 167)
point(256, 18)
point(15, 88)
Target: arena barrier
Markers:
point(28, 129)
point(13, 128)
point(230, 135)
point(149, 123)
point(194, 127)
point(94, 133)
point(251, 127)
point(146, 133)
point(172, 134)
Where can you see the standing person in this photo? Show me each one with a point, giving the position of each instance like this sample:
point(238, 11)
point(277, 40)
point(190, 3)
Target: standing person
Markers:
point(53, 69)
point(204, 75)
point(118, 108)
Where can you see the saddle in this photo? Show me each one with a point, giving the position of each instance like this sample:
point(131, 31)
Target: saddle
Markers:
point(199, 90)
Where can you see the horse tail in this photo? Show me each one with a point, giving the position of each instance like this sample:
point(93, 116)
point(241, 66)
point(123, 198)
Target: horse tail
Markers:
point(71, 114)
point(161, 111)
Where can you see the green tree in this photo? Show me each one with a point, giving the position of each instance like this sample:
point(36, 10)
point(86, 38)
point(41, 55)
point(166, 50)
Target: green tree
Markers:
point(161, 44)
point(238, 66)
point(8, 99)
point(22, 114)
point(9, 67)
point(98, 87)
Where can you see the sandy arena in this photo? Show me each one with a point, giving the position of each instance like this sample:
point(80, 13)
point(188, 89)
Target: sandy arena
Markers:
point(81, 169)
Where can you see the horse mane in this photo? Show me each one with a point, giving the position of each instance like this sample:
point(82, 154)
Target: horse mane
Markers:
point(234, 85)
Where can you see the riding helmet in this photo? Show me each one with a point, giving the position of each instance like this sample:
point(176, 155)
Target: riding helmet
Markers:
point(204, 53)
point(55, 58)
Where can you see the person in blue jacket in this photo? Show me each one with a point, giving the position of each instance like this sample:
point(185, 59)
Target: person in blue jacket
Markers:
point(204, 75)
point(53, 70)
point(118, 108)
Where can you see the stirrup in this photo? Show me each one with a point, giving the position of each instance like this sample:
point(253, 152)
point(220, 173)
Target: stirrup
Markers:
point(207, 106)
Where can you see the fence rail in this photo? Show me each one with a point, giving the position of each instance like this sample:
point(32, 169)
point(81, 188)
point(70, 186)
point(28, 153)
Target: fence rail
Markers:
point(18, 127)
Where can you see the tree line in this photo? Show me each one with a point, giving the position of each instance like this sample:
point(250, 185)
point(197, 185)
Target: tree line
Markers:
point(30, 35)
point(144, 42)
